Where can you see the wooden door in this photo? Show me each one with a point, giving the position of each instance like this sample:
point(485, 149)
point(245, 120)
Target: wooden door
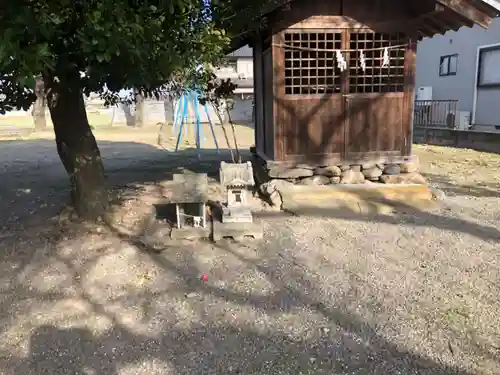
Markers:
point(311, 107)
point(375, 97)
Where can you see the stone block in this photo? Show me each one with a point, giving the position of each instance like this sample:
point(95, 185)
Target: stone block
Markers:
point(409, 167)
point(344, 168)
point(305, 166)
point(356, 168)
point(392, 169)
point(372, 173)
point(273, 185)
point(438, 194)
point(329, 171)
point(368, 165)
point(315, 180)
point(275, 199)
point(237, 231)
point(352, 177)
point(236, 215)
point(335, 180)
point(290, 172)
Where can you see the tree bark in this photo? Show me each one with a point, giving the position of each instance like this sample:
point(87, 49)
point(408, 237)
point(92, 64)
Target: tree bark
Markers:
point(40, 105)
point(140, 117)
point(78, 149)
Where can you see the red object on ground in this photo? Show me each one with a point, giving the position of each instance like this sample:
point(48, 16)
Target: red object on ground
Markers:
point(204, 277)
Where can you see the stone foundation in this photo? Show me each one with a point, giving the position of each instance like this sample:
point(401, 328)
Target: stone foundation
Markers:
point(368, 173)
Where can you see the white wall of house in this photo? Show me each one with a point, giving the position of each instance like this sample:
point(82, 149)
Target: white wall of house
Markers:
point(239, 68)
point(245, 67)
point(461, 86)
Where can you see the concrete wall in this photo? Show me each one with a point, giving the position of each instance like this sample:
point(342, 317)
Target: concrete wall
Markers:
point(465, 43)
point(477, 140)
point(242, 111)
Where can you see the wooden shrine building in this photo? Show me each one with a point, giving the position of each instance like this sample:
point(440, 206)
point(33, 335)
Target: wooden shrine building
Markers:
point(334, 79)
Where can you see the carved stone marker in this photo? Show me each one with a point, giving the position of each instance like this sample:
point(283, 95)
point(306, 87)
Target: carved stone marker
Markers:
point(236, 179)
point(237, 221)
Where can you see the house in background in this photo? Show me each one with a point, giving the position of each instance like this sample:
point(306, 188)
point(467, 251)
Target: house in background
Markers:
point(462, 66)
point(238, 67)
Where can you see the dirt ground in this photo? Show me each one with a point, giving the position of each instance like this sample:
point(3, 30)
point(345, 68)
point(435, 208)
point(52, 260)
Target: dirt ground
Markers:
point(333, 293)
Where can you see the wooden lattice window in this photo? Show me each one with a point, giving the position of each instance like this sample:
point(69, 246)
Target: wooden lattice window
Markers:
point(312, 69)
point(375, 78)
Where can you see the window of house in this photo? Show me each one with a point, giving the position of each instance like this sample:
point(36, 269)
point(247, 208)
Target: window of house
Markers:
point(489, 63)
point(448, 65)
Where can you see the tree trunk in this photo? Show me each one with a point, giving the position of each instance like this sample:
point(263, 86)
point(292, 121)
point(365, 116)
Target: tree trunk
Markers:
point(40, 105)
point(140, 117)
point(78, 150)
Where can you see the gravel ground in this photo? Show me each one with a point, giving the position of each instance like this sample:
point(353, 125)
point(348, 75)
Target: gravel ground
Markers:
point(331, 294)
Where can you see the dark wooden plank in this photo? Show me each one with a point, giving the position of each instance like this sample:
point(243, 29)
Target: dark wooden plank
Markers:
point(465, 9)
point(278, 55)
point(269, 110)
point(409, 98)
point(375, 124)
point(258, 95)
point(314, 127)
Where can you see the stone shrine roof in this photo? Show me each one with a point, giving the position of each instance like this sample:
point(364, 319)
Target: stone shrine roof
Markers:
point(189, 188)
point(236, 174)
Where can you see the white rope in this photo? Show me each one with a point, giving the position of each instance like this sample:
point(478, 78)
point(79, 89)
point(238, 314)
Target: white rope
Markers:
point(362, 61)
point(287, 46)
point(341, 63)
point(385, 58)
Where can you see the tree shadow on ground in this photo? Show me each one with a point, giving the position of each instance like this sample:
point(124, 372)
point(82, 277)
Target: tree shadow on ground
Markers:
point(344, 343)
point(473, 189)
point(36, 186)
point(35, 191)
point(405, 215)
point(214, 343)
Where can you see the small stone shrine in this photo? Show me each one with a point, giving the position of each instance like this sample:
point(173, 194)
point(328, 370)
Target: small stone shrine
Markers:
point(236, 179)
point(189, 194)
point(237, 221)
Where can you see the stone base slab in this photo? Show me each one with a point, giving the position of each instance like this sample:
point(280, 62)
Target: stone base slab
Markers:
point(189, 233)
point(372, 198)
point(236, 215)
point(237, 231)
